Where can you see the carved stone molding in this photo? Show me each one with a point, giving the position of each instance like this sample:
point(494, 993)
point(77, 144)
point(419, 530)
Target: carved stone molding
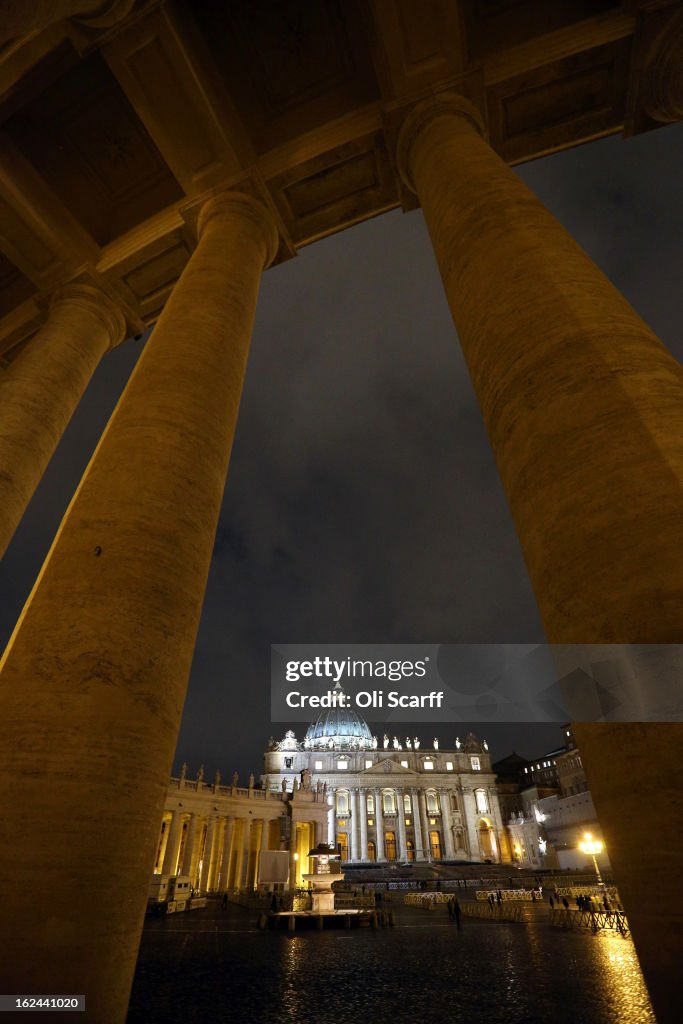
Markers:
point(250, 208)
point(448, 104)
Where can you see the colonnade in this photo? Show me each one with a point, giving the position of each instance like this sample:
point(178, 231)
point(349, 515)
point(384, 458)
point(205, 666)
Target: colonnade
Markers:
point(412, 823)
point(219, 853)
point(583, 407)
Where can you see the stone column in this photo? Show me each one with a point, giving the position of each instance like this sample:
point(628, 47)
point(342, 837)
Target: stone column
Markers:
point(402, 846)
point(353, 802)
point(206, 858)
point(223, 878)
point(172, 845)
point(292, 860)
point(239, 852)
point(582, 402)
point(379, 826)
point(422, 801)
point(331, 822)
point(41, 389)
point(188, 852)
point(446, 824)
point(363, 825)
point(246, 849)
point(633, 771)
point(417, 825)
point(97, 668)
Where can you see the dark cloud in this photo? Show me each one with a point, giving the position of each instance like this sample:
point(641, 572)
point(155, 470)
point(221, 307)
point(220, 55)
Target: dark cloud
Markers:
point(363, 503)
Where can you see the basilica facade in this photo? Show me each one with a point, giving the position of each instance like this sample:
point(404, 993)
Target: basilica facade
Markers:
point(393, 799)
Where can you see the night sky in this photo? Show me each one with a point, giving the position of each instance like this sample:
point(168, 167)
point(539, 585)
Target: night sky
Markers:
point(363, 503)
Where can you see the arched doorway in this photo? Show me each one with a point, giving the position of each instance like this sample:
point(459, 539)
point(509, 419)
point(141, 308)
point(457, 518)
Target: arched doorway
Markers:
point(343, 845)
point(435, 845)
point(372, 851)
point(410, 849)
point(390, 845)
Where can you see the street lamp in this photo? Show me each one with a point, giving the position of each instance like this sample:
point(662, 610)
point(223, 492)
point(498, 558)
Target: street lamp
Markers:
point(592, 847)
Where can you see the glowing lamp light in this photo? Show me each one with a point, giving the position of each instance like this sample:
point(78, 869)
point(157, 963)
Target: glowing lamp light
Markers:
point(296, 856)
point(591, 848)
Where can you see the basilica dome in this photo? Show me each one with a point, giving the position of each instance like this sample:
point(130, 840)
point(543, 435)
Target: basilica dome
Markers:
point(339, 729)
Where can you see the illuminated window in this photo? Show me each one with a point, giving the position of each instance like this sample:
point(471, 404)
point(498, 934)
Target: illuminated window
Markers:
point(432, 802)
point(435, 845)
point(406, 803)
point(342, 802)
point(388, 801)
point(371, 821)
point(429, 766)
point(318, 766)
point(342, 765)
point(408, 821)
point(476, 764)
point(368, 764)
point(370, 804)
point(481, 801)
point(449, 766)
point(404, 764)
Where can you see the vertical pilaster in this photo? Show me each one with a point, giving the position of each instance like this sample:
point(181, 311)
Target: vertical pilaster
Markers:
point(353, 800)
point(188, 851)
point(223, 877)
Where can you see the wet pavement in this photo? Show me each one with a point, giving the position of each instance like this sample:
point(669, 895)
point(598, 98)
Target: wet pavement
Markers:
point(215, 965)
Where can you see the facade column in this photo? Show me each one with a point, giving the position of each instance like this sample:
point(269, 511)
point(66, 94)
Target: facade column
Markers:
point(422, 801)
point(42, 387)
point(238, 842)
point(471, 819)
point(417, 825)
point(206, 857)
point(331, 821)
point(363, 824)
point(292, 859)
point(379, 826)
point(353, 801)
point(402, 845)
point(582, 402)
point(246, 848)
point(188, 851)
point(173, 844)
point(446, 824)
point(223, 879)
point(108, 633)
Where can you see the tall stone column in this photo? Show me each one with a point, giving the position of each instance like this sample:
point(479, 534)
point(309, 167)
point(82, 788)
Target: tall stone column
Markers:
point(331, 820)
point(353, 801)
point(293, 849)
point(582, 402)
point(584, 409)
point(447, 825)
point(422, 802)
point(417, 825)
point(402, 845)
point(379, 826)
point(363, 825)
point(94, 678)
point(42, 387)
point(173, 844)
point(188, 851)
point(208, 851)
point(223, 879)
point(239, 852)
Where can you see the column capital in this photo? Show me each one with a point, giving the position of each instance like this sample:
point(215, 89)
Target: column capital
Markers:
point(230, 202)
point(445, 104)
point(662, 77)
point(95, 301)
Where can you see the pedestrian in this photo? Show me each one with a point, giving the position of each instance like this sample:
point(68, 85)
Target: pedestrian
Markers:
point(224, 901)
point(551, 901)
point(565, 903)
point(499, 897)
point(457, 912)
point(449, 908)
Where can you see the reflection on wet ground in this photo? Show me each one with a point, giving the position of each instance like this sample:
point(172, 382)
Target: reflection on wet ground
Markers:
point(214, 965)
